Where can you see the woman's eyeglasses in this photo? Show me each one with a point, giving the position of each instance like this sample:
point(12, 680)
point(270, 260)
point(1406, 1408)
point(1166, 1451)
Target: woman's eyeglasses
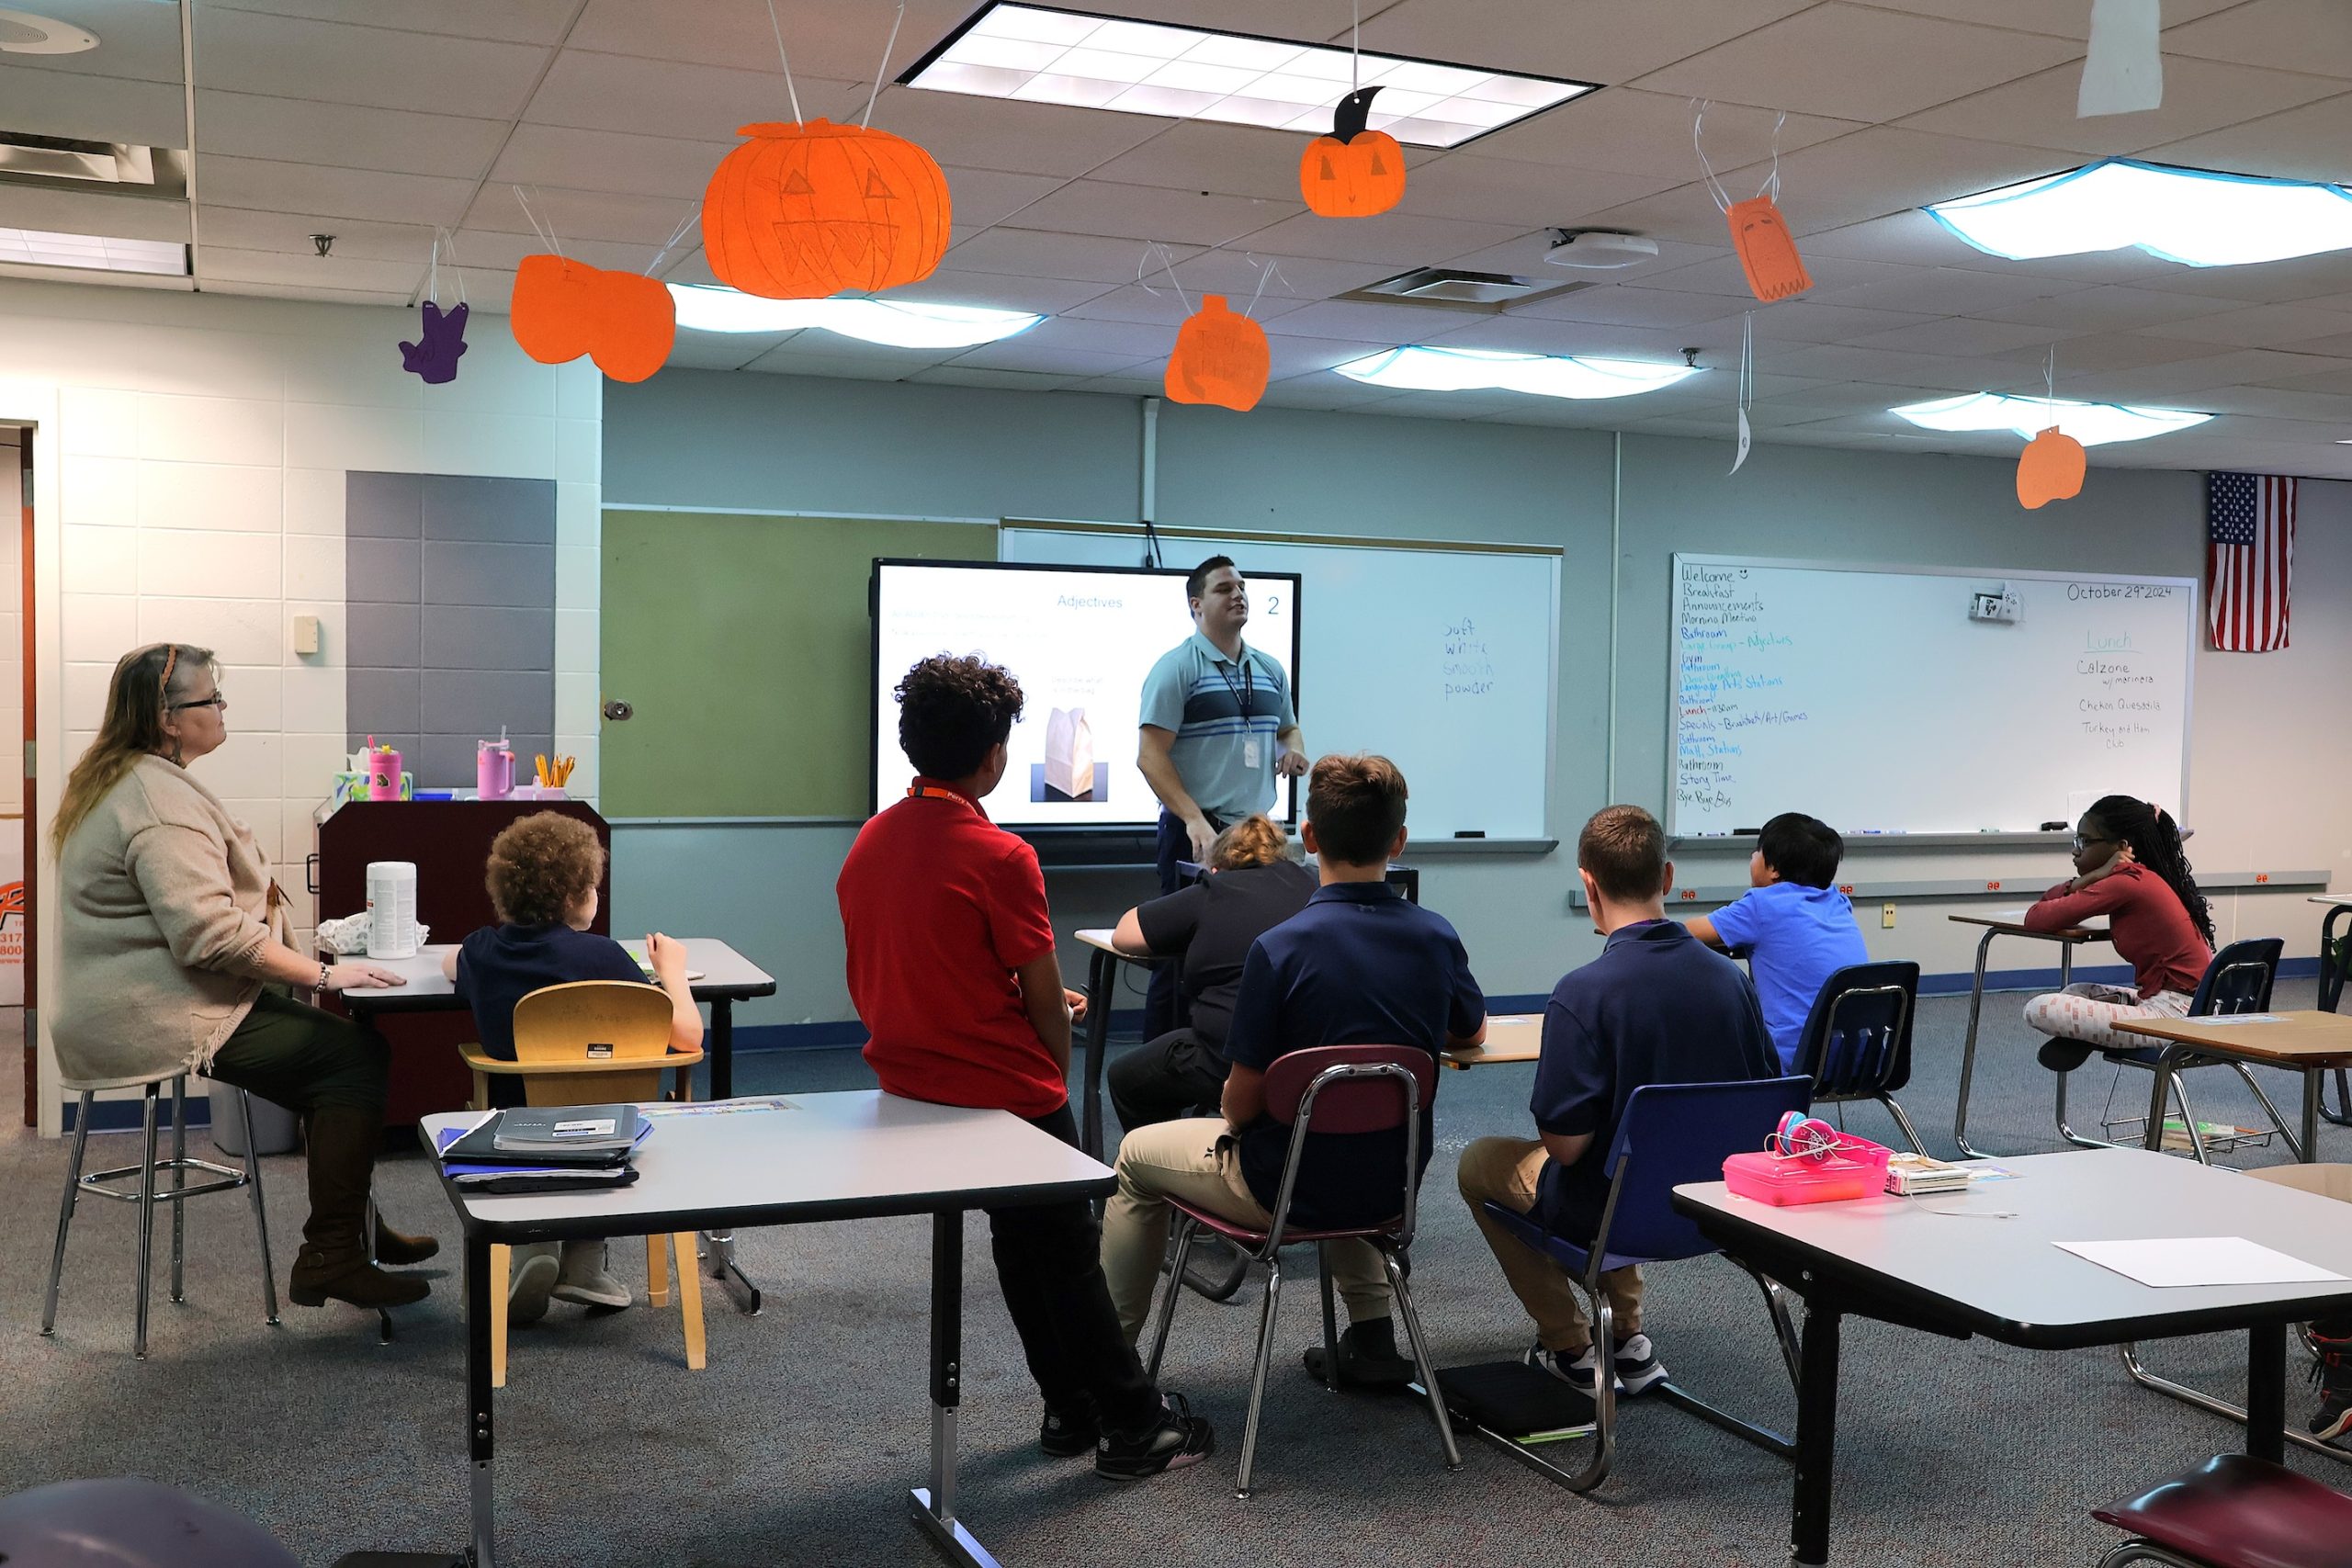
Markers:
point(2081, 843)
point(215, 701)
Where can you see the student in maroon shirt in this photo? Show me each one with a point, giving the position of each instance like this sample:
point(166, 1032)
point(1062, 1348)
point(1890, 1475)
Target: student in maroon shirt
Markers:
point(2129, 867)
point(952, 969)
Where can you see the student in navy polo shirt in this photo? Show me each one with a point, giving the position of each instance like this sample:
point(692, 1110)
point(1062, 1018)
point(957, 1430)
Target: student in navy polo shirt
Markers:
point(1793, 926)
point(1656, 1007)
point(952, 969)
point(542, 878)
point(1358, 966)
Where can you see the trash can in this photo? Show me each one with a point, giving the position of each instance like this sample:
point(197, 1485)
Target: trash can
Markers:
point(274, 1126)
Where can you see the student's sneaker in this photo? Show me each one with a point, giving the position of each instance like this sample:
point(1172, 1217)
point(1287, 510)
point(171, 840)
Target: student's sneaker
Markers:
point(532, 1282)
point(1179, 1438)
point(1061, 1436)
point(1636, 1369)
point(584, 1277)
point(1368, 1357)
point(2332, 1373)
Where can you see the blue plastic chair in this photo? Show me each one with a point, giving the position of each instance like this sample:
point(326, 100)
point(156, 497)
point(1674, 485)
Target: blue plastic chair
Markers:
point(1671, 1135)
point(1857, 1039)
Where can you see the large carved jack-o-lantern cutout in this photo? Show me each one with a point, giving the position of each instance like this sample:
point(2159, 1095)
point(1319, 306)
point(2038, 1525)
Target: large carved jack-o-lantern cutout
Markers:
point(804, 211)
point(1353, 173)
point(1220, 357)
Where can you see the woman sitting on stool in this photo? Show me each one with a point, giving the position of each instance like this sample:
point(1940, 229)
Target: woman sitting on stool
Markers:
point(172, 960)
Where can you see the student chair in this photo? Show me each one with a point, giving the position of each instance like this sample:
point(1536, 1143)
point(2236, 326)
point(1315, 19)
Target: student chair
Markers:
point(146, 1196)
point(2233, 1511)
point(1857, 1039)
point(1327, 1088)
point(592, 1042)
point(1670, 1135)
point(2238, 980)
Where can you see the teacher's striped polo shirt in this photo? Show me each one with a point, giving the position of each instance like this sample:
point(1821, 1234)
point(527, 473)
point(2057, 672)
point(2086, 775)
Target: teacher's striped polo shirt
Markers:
point(1199, 694)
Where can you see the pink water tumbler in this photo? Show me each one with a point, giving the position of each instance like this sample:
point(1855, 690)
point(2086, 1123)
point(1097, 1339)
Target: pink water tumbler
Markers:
point(493, 769)
point(383, 774)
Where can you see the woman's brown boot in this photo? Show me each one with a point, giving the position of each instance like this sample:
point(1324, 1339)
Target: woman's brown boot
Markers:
point(333, 1264)
point(397, 1248)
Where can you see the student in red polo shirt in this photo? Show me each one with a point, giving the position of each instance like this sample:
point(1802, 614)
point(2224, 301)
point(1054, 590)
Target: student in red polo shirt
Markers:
point(952, 969)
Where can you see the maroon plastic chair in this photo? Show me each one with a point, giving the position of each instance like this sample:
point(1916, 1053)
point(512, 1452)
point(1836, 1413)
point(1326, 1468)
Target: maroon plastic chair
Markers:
point(1331, 1088)
point(2234, 1511)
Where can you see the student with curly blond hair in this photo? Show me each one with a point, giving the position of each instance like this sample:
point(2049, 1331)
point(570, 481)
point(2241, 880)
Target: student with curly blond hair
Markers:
point(542, 876)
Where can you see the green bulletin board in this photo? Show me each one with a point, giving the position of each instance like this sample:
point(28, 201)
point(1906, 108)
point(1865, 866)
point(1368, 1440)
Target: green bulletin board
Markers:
point(742, 643)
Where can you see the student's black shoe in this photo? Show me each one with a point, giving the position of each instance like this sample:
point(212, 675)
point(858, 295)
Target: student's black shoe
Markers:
point(1068, 1436)
point(1368, 1358)
point(2063, 1055)
point(1177, 1439)
point(2332, 1373)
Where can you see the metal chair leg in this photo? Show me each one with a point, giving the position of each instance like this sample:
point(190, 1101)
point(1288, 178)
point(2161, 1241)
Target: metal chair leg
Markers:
point(1420, 1357)
point(1902, 1120)
point(65, 1214)
point(261, 1210)
point(179, 1184)
point(1185, 1226)
point(1784, 1328)
point(1604, 1391)
point(2188, 1119)
point(146, 1216)
point(2138, 1550)
point(1258, 1377)
point(2067, 1131)
point(1330, 1319)
point(2294, 1143)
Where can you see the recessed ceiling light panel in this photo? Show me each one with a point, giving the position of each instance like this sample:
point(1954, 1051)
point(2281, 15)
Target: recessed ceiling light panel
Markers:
point(1045, 55)
point(1421, 370)
point(893, 323)
point(92, 252)
point(2192, 216)
point(2093, 424)
point(22, 32)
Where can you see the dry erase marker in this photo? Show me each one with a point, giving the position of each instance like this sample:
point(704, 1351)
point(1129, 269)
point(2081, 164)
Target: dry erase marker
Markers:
point(1469, 833)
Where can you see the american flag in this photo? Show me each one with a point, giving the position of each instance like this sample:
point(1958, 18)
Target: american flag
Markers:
point(2249, 556)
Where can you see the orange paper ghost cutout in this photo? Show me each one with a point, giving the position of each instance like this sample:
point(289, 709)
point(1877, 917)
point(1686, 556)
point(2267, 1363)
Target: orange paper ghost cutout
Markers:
point(803, 210)
point(564, 308)
point(1220, 357)
point(1767, 253)
point(2049, 468)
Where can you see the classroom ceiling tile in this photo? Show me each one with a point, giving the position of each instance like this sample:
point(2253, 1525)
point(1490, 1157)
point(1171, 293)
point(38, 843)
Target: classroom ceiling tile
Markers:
point(1294, 356)
point(504, 249)
point(1029, 253)
point(2259, 326)
point(1887, 169)
point(2199, 96)
point(245, 51)
point(664, 97)
point(719, 351)
point(838, 40)
point(1626, 130)
point(1805, 321)
point(984, 198)
point(1153, 212)
point(269, 185)
point(1812, 62)
point(244, 229)
point(1623, 306)
point(618, 161)
point(93, 108)
point(1000, 380)
point(2304, 144)
point(1724, 274)
point(2110, 308)
point(1234, 271)
point(1525, 255)
point(1004, 133)
point(1385, 325)
point(1403, 238)
point(1589, 40)
point(1516, 334)
point(511, 21)
point(1205, 156)
point(2264, 282)
point(2284, 35)
point(649, 221)
point(138, 41)
point(341, 272)
point(350, 136)
point(1965, 336)
point(2099, 351)
point(1942, 291)
point(1831, 361)
point(1164, 310)
point(1523, 196)
point(1003, 291)
point(1134, 341)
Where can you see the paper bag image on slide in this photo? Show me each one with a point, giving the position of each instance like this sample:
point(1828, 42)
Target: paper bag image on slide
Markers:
point(1070, 753)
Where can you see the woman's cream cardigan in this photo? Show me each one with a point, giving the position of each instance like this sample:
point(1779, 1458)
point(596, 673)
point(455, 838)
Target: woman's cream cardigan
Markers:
point(165, 907)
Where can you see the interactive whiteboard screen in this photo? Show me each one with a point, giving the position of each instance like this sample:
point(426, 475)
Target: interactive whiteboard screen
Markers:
point(1885, 701)
point(1081, 641)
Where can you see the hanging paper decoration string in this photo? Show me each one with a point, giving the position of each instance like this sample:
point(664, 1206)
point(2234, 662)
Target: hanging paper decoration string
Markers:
point(1768, 253)
point(2052, 466)
point(1353, 173)
point(805, 209)
point(441, 339)
point(626, 321)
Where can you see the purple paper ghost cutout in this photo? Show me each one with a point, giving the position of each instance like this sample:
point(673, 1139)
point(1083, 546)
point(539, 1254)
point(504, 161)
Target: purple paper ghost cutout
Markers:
point(434, 358)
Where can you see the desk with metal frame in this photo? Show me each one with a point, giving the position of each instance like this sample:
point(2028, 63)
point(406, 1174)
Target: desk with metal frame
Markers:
point(2006, 923)
point(1900, 1261)
point(727, 977)
point(2311, 1044)
point(800, 1159)
point(1102, 977)
point(1510, 1037)
point(2334, 935)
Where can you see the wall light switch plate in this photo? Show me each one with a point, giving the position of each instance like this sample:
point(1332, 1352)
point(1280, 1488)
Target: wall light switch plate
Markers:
point(306, 634)
point(1886, 917)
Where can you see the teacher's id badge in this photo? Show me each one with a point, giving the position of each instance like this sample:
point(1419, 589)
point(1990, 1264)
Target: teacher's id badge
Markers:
point(1253, 752)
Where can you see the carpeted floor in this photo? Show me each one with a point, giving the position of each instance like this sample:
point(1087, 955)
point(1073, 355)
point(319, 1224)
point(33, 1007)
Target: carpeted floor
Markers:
point(798, 1443)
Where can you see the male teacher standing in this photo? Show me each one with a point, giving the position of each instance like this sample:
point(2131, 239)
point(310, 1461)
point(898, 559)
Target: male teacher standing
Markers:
point(1218, 728)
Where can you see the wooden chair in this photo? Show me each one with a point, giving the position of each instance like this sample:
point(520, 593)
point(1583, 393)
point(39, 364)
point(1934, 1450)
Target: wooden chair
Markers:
point(592, 1042)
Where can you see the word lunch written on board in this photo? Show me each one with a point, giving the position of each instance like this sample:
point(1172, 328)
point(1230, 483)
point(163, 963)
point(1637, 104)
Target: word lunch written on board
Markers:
point(1897, 702)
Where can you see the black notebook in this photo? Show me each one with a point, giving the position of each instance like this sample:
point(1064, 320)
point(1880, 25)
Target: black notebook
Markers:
point(553, 1135)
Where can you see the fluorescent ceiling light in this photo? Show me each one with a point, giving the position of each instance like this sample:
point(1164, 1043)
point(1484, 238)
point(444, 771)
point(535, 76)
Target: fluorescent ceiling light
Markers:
point(92, 252)
point(2192, 216)
point(1418, 370)
point(2093, 424)
point(1045, 55)
point(894, 322)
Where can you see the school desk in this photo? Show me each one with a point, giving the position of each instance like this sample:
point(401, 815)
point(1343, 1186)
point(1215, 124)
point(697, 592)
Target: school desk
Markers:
point(726, 977)
point(2335, 929)
point(1510, 1037)
point(1900, 1260)
point(2311, 1044)
point(2009, 923)
point(804, 1159)
point(1102, 984)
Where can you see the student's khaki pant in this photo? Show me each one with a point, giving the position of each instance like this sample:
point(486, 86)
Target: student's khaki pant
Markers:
point(1505, 1171)
point(1198, 1160)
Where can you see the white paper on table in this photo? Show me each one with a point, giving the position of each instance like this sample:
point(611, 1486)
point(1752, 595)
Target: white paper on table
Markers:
point(2199, 1260)
point(2237, 1017)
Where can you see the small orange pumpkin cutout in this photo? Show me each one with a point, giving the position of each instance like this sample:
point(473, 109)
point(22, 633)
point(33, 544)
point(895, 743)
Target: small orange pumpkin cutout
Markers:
point(1767, 251)
point(1221, 357)
point(1353, 173)
point(2049, 468)
point(804, 211)
point(563, 309)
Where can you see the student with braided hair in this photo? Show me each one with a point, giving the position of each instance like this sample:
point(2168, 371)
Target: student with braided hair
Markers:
point(2129, 867)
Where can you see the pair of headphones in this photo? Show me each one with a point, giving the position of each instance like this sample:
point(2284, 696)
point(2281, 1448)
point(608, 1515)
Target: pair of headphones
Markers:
point(1799, 1136)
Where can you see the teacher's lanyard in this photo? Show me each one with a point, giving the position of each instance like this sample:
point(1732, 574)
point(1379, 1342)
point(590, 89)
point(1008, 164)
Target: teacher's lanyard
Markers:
point(1246, 694)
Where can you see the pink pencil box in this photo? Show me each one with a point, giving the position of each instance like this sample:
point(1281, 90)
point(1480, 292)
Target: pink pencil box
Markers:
point(1852, 1167)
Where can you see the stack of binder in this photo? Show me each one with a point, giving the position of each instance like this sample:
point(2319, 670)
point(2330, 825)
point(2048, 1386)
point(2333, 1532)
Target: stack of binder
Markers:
point(565, 1148)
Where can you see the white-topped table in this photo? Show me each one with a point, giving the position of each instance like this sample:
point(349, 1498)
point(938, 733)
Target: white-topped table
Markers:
point(1102, 972)
point(2011, 922)
point(805, 1159)
point(1900, 1261)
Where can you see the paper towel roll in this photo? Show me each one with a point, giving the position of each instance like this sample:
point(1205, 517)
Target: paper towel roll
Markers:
point(391, 909)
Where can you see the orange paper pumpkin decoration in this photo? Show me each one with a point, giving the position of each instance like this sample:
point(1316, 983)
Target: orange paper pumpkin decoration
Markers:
point(803, 210)
point(564, 308)
point(1766, 252)
point(2049, 468)
point(1353, 173)
point(1220, 357)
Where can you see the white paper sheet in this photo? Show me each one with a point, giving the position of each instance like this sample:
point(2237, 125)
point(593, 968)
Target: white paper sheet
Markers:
point(2198, 1260)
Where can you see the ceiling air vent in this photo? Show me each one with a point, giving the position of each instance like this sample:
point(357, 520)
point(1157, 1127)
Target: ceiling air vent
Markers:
point(1454, 289)
point(115, 167)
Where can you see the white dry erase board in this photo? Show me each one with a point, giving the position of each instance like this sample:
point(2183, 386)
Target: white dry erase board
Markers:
point(1442, 657)
point(1870, 697)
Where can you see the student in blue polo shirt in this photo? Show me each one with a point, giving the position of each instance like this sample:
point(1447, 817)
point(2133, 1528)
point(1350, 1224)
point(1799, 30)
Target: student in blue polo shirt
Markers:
point(1794, 928)
point(1656, 1007)
point(1359, 966)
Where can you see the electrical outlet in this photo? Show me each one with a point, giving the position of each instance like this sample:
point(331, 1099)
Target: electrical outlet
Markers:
point(1886, 917)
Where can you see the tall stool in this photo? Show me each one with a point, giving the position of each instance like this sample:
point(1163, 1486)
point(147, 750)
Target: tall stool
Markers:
point(146, 1196)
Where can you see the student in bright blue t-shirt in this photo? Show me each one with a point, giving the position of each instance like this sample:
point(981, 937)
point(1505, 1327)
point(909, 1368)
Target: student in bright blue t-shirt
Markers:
point(1794, 927)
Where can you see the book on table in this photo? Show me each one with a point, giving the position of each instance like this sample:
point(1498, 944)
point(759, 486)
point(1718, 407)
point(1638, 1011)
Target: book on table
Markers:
point(545, 1148)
